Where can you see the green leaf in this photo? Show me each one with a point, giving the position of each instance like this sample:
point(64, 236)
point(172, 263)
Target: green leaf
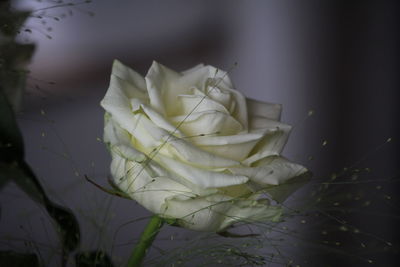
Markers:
point(92, 259)
point(15, 259)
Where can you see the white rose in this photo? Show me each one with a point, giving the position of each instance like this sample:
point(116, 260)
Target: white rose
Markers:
point(188, 146)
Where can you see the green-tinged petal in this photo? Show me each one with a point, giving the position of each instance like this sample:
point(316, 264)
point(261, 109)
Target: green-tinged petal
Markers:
point(207, 122)
point(273, 170)
point(272, 142)
point(201, 214)
point(235, 147)
point(128, 166)
point(113, 133)
point(201, 177)
point(138, 181)
point(251, 211)
point(117, 103)
point(217, 212)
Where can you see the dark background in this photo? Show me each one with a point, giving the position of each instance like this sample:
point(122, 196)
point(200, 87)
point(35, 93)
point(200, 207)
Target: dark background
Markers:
point(337, 58)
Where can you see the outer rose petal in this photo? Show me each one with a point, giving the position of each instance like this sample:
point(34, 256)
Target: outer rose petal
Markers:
point(117, 103)
point(251, 211)
point(201, 177)
point(138, 166)
point(263, 109)
point(272, 142)
point(271, 171)
point(129, 75)
point(150, 192)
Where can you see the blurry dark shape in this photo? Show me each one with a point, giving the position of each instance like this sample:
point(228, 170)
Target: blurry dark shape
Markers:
point(93, 259)
point(13, 259)
point(358, 210)
point(14, 168)
point(11, 143)
point(12, 163)
point(13, 55)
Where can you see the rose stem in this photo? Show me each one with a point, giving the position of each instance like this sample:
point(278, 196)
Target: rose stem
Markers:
point(146, 239)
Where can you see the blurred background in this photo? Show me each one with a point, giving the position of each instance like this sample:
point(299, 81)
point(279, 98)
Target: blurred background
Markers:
point(332, 64)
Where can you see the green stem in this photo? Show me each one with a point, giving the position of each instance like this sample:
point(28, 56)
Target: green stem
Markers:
point(146, 239)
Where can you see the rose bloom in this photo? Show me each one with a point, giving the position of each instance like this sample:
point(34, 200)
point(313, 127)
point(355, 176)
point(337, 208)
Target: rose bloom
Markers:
point(189, 147)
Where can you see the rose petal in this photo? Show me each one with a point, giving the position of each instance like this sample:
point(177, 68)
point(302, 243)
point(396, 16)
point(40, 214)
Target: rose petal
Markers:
point(129, 90)
point(129, 75)
point(201, 214)
point(272, 143)
point(113, 133)
point(162, 87)
point(220, 77)
point(263, 109)
point(150, 191)
point(235, 147)
point(217, 212)
point(117, 103)
point(221, 96)
point(198, 176)
point(250, 211)
point(240, 108)
point(149, 138)
point(193, 155)
point(198, 103)
point(140, 164)
point(160, 121)
point(273, 170)
point(207, 122)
